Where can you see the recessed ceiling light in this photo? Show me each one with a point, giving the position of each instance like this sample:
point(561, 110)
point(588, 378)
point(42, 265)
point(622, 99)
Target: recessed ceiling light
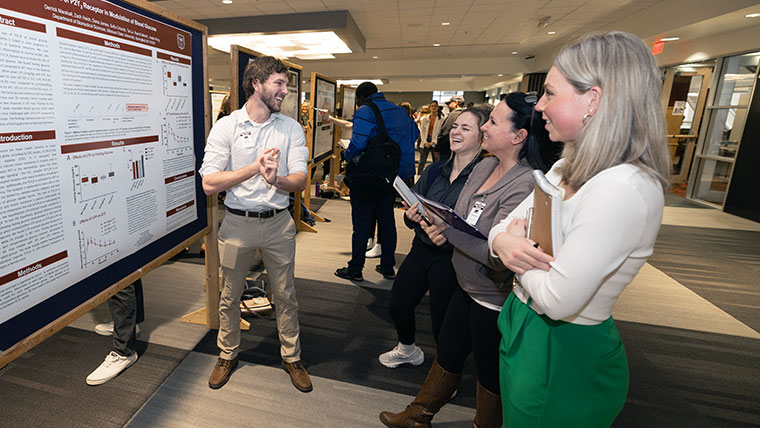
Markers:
point(311, 45)
point(227, 1)
point(752, 15)
point(436, 44)
point(514, 52)
point(551, 33)
point(445, 23)
point(670, 39)
point(374, 57)
point(499, 74)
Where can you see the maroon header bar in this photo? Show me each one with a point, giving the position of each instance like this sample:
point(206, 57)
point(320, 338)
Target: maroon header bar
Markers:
point(34, 267)
point(21, 23)
point(98, 145)
point(25, 137)
point(107, 18)
point(172, 58)
point(73, 35)
point(178, 177)
point(182, 207)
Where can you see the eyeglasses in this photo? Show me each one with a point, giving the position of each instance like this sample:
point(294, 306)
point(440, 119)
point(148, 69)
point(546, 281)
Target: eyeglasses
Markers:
point(532, 98)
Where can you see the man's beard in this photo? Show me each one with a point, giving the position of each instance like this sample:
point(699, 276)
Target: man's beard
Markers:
point(270, 102)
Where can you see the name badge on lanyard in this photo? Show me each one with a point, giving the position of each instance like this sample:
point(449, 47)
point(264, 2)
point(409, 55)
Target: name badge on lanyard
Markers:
point(475, 212)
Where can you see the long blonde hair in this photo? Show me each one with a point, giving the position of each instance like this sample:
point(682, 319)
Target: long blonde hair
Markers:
point(629, 125)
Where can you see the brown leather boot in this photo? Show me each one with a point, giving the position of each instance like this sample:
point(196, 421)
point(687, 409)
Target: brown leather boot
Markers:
point(435, 392)
point(488, 410)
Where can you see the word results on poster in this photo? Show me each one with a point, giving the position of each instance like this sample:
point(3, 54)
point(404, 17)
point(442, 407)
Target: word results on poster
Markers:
point(96, 142)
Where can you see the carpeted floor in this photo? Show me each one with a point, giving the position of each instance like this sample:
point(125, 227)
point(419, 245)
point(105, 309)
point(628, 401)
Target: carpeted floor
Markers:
point(343, 330)
point(46, 386)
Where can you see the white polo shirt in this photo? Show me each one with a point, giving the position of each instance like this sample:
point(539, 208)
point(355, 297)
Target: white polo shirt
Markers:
point(236, 141)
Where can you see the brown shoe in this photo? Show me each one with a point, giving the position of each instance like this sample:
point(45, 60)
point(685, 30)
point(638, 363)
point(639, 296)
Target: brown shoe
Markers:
point(298, 375)
point(221, 373)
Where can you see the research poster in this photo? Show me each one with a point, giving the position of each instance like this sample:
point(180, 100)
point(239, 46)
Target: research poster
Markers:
point(96, 142)
point(323, 130)
point(290, 105)
point(348, 106)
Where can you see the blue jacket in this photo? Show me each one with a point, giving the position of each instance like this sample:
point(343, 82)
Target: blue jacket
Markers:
point(401, 128)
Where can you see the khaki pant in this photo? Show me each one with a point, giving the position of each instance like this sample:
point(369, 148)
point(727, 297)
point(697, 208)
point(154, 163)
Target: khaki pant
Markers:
point(275, 238)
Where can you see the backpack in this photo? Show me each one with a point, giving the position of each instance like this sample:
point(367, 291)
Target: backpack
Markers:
point(370, 175)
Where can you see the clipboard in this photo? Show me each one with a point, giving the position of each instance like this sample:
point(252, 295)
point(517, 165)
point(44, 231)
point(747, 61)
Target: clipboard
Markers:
point(544, 225)
point(448, 215)
point(408, 195)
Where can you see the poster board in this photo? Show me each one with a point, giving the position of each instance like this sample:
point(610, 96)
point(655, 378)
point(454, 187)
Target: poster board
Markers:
point(216, 103)
point(100, 147)
point(239, 59)
point(323, 96)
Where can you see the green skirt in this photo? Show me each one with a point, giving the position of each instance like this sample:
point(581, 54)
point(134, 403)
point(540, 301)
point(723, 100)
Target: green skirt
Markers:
point(558, 374)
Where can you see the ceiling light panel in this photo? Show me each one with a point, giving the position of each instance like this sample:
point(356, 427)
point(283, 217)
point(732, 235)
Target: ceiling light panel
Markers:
point(314, 45)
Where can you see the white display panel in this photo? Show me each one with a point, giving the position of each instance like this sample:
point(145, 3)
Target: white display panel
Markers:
point(323, 130)
point(96, 142)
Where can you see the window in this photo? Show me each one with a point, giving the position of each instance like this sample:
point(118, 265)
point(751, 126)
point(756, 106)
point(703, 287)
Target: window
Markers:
point(443, 96)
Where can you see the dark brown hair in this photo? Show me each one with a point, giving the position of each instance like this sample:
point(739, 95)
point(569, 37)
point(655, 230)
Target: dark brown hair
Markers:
point(260, 69)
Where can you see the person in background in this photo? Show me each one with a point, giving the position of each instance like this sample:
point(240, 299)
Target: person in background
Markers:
point(427, 267)
point(456, 106)
point(516, 138)
point(127, 310)
point(226, 108)
point(430, 127)
point(562, 362)
point(305, 115)
point(403, 131)
point(258, 155)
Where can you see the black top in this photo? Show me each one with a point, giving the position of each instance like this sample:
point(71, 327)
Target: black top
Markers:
point(439, 189)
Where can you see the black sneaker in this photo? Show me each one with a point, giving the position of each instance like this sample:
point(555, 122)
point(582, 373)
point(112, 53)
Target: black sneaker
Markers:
point(387, 274)
point(346, 273)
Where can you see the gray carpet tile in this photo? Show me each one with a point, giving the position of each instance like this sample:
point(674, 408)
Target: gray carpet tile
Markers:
point(686, 378)
point(46, 386)
point(672, 200)
point(343, 330)
point(721, 265)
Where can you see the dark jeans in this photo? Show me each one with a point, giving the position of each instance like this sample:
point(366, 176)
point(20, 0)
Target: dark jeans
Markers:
point(127, 310)
point(425, 268)
point(424, 152)
point(467, 327)
point(362, 213)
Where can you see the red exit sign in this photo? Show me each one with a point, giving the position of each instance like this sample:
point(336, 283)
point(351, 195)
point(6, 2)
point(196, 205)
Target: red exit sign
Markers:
point(657, 47)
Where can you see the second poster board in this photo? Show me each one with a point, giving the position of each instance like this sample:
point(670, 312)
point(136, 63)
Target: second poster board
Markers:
point(323, 99)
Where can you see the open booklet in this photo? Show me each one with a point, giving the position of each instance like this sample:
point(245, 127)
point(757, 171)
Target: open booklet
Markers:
point(444, 212)
point(544, 225)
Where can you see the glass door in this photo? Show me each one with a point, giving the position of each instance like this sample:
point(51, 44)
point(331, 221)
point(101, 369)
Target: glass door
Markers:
point(721, 132)
point(685, 90)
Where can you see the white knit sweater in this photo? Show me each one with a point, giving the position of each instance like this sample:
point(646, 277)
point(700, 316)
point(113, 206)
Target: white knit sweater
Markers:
point(610, 226)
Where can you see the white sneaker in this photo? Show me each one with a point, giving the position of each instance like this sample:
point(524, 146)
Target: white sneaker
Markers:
point(111, 367)
point(374, 252)
point(395, 357)
point(106, 329)
point(370, 243)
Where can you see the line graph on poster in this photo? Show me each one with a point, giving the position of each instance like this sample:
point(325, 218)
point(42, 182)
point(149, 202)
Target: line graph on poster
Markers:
point(95, 251)
point(176, 131)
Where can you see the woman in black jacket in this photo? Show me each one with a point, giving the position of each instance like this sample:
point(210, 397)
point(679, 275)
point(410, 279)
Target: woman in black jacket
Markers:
point(428, 267)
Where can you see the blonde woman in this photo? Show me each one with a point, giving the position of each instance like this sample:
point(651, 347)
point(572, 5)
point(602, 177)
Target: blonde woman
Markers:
point(562, 362)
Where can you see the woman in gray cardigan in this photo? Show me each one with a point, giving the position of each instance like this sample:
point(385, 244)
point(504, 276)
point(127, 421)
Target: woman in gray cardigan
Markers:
point(516, 137)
